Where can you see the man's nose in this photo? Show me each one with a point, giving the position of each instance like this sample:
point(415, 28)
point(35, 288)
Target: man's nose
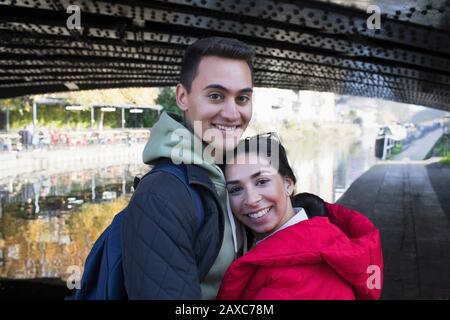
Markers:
point(230, 111)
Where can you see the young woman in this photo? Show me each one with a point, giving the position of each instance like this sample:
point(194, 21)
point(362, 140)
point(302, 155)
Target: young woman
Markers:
point(337, 256)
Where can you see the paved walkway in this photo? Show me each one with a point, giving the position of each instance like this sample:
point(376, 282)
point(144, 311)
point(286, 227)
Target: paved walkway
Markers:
point(415, 230)
point(418, 149)
point(440, 180)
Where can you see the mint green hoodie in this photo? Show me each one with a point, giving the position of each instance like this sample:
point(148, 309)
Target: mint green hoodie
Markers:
point(165, 142)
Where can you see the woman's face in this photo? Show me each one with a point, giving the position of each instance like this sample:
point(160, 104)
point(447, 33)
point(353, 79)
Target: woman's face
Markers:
point(259, 195)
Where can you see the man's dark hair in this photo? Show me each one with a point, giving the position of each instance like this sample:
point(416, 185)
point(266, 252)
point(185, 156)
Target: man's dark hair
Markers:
point(213, 46)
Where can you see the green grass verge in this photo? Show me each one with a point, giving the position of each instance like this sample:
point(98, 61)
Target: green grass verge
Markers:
point(398, 147)
point(446, 161)
point(440, 149)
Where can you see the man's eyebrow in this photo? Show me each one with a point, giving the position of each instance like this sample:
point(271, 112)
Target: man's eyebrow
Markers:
point(253, 176)
point(250, 90)
point(220, 87)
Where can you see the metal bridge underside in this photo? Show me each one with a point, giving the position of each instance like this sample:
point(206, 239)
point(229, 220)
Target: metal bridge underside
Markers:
point(308, 45)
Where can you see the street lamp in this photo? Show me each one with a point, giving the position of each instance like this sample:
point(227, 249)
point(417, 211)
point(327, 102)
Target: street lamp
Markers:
point(46, 101)
point(74, 108)
point(108, 109)
point(136, 111)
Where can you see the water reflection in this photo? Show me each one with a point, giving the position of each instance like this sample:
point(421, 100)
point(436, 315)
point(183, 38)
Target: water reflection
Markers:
point(49, 222)
point(328, 167)
point(41, 195)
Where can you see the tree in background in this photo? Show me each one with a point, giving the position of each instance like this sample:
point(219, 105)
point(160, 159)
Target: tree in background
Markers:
point(122, 96)
point(167, 100)
point(20, 109)
point(58, 116)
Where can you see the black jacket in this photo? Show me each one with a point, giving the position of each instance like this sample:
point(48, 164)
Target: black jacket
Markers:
point(163, 255)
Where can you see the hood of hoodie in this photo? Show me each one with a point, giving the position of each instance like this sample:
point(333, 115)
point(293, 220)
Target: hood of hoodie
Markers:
point(169, 138)
point(345, 240)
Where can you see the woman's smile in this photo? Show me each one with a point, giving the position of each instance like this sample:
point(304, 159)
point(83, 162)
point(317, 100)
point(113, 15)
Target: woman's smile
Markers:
point(260, 213)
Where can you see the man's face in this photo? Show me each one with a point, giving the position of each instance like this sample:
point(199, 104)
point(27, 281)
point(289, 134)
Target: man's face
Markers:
point(219, 106)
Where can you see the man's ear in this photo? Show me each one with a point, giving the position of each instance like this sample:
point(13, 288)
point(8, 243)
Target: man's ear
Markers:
point(289, 186)
point(181, 97)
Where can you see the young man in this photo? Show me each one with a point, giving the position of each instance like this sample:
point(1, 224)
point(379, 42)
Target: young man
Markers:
point(167, 254)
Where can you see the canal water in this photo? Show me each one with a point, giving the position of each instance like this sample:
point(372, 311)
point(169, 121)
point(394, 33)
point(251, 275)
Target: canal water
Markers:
point(49, 221)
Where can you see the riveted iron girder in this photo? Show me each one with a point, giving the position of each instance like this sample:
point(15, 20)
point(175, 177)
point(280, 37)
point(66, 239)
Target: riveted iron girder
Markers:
point(314, 45)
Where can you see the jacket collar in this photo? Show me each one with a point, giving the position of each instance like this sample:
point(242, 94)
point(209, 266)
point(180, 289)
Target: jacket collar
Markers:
point(299, 216)
point(198, 175)
point(195, 175)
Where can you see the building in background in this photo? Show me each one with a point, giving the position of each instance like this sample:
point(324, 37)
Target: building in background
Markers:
point(275, 107)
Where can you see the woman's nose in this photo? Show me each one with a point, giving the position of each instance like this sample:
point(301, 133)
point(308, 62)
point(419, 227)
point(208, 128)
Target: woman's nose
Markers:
point(252, 197)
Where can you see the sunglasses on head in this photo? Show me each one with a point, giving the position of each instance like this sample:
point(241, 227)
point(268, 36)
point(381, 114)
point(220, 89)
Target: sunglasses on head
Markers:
point(266, 135)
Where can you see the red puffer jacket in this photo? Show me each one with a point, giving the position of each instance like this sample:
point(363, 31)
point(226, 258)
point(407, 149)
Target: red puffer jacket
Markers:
point(334, 257)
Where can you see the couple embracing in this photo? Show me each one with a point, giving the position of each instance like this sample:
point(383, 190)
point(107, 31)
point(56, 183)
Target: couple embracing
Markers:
point(233, 228)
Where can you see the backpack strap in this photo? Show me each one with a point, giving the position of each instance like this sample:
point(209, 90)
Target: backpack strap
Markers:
point(180, 172)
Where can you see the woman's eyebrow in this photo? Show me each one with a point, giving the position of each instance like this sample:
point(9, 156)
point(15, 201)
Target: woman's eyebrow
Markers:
point(256, 174)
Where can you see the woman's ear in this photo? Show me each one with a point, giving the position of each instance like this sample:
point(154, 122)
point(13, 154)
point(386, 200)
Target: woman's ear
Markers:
point(289, 186)
point(181, 97)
